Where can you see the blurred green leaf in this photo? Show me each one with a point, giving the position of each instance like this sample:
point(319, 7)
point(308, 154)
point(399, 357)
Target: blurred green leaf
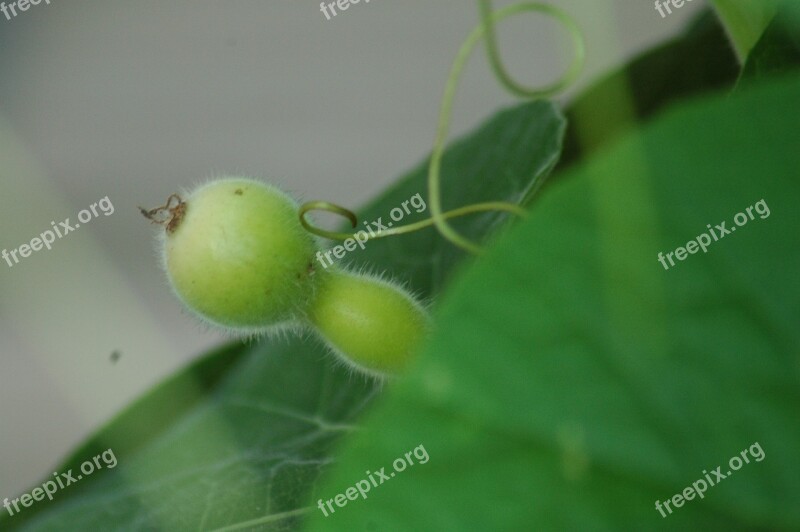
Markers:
point(697, 61)
point(245, 433)
point(573, 381)
point(778, 50)
point(745, 21)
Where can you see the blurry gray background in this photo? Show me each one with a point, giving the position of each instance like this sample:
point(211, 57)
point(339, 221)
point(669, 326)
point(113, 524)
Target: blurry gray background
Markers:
point(136, 100)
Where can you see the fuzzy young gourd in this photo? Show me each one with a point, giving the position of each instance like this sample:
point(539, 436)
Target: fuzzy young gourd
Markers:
point(236, 255)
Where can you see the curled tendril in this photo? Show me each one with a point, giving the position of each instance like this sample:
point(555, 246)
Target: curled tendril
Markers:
point(438, 218)
point(408, 228)
point(488, 27)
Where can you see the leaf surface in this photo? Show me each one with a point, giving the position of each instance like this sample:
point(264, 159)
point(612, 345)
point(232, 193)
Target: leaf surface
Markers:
point(573, 381)
point(240, 438)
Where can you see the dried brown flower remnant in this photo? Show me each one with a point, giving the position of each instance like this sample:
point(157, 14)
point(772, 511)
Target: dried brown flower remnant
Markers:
point(169, 215)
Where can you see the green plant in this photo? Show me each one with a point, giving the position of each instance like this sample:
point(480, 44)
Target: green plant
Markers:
point(745, 21)
point(569, 382)
point(237, 256)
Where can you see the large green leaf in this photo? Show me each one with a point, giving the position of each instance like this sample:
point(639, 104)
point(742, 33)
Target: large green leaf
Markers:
point(245, 433)
point(573, 381)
